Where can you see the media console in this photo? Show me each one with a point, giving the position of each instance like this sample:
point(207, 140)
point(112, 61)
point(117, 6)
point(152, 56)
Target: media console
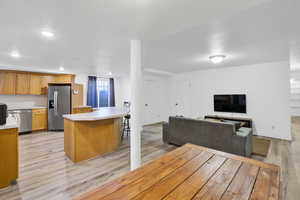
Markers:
point(247, 122)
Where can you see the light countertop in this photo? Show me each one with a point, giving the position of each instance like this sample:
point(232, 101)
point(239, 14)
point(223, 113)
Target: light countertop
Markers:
point(99, 114)
point(10, 123)
point(25, 107)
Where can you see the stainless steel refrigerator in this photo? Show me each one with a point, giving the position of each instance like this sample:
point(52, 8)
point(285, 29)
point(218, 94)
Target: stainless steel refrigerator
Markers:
point(59, 103)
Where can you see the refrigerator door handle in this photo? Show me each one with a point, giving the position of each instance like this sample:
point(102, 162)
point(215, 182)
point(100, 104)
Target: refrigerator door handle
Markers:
point(55, 102)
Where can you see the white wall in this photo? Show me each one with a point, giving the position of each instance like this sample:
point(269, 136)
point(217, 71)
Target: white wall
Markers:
point(21, 101)
point(266, 86)
point(155, 90)
point(155, 99)
point(122, 90)
point(295, 93)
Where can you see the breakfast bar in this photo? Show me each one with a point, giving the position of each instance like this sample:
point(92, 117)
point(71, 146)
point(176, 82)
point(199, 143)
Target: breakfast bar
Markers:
point(88, 135)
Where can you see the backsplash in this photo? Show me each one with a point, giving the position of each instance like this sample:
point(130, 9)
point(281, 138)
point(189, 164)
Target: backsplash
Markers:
point(23, 101)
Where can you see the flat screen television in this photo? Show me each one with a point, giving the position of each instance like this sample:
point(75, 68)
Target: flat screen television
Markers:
point(234, 103)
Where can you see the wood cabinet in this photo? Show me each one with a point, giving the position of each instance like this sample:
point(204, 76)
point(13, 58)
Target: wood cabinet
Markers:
point(46, 79)
point(65, 78)
point(29, 83)
point(84, 140)
point(23, 83)
point(35, 84)
point(7, 83)
point(82, 109)
point(9, 156)
point(39, 119)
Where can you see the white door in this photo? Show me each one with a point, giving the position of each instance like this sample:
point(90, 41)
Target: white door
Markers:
point(180, 101)
point(152, 94)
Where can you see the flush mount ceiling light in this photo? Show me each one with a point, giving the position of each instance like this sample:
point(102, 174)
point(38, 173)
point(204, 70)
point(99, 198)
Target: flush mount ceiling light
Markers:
point(47, 34)
point(61, 68)
point(15, 54)
point(217, 58)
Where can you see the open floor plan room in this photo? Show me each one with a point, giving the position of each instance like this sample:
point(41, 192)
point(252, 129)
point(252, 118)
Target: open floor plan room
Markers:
point(149, 100)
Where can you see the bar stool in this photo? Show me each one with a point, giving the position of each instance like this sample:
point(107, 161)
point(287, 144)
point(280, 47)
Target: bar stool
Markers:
point(126, 126)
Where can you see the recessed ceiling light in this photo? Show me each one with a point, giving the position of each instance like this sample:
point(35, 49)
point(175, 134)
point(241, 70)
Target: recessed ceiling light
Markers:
point(47, 34)
point(15, 54)
point(61, 68)
point(110, 73)
point(217, 58)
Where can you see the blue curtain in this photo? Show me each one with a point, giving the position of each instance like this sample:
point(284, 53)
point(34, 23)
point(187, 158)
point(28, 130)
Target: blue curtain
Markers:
point(92, 99)
point(103, 98)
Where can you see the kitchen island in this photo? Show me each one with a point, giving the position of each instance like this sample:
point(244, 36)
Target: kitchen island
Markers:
point(88, 135)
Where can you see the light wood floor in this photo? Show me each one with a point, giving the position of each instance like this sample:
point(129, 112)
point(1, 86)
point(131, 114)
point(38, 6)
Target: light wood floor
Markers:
point(45, 172)
point(287, 155)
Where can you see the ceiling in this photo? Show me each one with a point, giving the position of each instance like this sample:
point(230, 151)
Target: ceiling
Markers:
point(178, 36)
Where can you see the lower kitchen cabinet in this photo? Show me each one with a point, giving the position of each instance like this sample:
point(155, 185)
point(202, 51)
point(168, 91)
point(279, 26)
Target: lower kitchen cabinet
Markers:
point(39, 119)
point(9, 165)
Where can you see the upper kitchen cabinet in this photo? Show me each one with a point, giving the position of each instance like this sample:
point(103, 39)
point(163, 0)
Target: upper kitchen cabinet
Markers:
point(35, 84)
point(46, 79)
point(7, 83)
point(30, 83)
point(23, 83)
point(65, 78)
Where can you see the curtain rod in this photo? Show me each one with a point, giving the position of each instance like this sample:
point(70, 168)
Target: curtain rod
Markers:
point(103, 76)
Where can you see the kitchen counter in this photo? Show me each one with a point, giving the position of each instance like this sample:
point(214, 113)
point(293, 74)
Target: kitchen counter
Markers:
point(10, 123)
point(25, 107)
point(9, 155)
point(99, 114)
point(88, 135)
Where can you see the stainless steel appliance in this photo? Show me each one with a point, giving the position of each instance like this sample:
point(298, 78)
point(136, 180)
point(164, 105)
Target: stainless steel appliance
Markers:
point(59, 103)
point(3, 113)
point(23, 118)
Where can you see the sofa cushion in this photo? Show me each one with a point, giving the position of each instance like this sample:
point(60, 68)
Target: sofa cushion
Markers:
point(243, 131)
point(235, 123)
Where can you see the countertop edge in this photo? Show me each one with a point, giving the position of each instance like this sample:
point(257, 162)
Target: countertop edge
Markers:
point(4, 127)
point(74, 118)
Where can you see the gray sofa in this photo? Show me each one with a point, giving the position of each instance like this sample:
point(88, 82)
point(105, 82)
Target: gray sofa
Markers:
point(221, 136)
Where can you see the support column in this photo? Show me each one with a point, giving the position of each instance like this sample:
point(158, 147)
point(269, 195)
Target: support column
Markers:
point(136, 103)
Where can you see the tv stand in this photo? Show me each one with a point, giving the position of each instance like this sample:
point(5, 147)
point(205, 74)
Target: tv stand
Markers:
point(247, 121)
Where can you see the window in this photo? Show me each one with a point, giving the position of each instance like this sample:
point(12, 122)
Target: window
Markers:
point(103, 92)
